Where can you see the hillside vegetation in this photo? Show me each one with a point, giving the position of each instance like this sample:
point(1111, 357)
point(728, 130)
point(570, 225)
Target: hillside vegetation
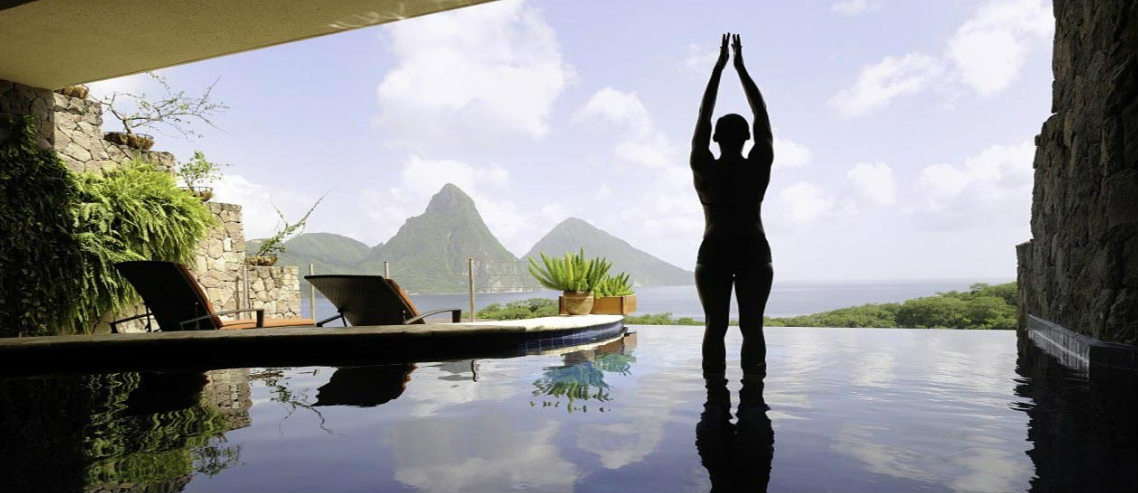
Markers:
point(983, 306)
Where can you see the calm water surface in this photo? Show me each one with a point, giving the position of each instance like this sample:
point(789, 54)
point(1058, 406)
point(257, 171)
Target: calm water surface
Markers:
point(850, 410)
point(788, 298)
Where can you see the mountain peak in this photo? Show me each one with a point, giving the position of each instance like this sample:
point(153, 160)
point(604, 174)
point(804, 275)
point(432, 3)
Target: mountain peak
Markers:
point(449, 200)
point(575, 222)
point(573, 233)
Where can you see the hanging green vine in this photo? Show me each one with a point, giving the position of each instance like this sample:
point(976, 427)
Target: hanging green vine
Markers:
point(63, 232)
point(39, 253)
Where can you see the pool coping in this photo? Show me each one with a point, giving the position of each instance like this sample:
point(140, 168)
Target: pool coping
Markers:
point(1081, 353)
point(299, 346)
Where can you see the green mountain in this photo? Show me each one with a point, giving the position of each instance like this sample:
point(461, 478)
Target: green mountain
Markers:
point(328, 252)
point(644, 269)
point(429, 253)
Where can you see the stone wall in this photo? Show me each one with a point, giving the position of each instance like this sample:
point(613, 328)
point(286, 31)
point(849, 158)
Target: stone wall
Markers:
point(220, 261)
point(73, 128)
point(78, 138)
point(276, 289)
point(1080, 270)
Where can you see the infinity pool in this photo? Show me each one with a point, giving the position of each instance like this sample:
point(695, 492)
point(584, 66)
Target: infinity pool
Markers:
point(850, 410)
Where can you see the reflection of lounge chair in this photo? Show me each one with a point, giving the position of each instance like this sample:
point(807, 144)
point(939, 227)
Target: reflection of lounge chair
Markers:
point(176, 301)
point(370, 300)
point(364, 386)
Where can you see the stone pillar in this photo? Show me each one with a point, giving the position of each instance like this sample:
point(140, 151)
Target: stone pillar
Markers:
point(220, 260)
point(276, 289)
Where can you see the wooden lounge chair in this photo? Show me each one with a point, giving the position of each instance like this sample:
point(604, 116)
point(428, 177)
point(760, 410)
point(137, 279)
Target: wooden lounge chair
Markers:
point(370, 300)
point(176, 301)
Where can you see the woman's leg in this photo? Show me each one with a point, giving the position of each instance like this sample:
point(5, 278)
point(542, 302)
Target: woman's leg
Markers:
point(752, 288)
point(714, 286)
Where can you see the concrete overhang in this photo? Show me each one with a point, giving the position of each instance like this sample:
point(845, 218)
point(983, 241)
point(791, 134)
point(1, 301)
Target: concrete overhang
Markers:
point(56, 43)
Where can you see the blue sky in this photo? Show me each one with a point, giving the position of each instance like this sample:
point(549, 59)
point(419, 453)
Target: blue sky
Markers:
point(903, 129)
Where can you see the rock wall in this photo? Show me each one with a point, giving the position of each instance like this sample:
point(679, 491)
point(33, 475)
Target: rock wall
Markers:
point(276, 289)
point(73, 128)
point(220, 262)
point(1080, 270)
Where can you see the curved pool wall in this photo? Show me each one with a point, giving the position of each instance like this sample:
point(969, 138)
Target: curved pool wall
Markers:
point(300, 346)
point(849, 410)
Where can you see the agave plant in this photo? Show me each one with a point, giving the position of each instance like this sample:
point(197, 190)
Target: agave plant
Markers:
point(573, 273)
point(614, 285)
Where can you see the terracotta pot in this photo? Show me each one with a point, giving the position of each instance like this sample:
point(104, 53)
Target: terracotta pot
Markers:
point(261, 260)
point(615, 305)
point(577, 303)
point(203, 193)
point(138, 141)
point(77, 91)
point(119, 138)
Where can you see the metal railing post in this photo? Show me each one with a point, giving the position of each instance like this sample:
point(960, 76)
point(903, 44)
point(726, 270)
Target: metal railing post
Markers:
point(470, 284)
point(386, 269)
point(312, 292)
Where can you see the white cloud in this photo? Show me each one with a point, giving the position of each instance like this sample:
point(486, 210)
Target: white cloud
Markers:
point(879, 84)
point(985, 54)
point(259, 218)
point(640, 142)
point(992, 46)
point(616, 107)
point(855, 7)
point(803, 202)
point(874, 181)
point(469, 75)
point(700, 59)
point(790, 154)
point(991, 188)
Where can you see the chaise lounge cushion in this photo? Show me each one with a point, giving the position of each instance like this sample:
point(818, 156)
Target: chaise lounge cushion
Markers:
point(269, 322)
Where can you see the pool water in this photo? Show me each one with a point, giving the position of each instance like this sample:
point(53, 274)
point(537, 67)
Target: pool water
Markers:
point(849, 410)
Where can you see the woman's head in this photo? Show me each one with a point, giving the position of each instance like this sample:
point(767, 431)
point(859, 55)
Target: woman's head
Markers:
point(731, 131)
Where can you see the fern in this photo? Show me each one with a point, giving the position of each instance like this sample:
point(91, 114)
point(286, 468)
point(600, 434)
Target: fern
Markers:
point(134, 212)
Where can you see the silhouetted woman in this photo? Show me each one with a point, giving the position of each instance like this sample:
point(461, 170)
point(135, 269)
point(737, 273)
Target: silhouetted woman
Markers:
point(734, 249)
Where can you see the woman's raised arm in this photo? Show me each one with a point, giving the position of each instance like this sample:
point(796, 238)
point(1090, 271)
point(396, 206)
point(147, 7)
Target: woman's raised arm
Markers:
point(764, 140)
point(701, 141)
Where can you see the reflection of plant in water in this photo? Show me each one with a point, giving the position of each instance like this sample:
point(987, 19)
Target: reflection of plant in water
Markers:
point(275, 379)
point(151, 450)
point(582, 381)
point(113, 432)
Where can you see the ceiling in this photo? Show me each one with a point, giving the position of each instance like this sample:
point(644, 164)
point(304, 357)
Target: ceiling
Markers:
point(56, 43)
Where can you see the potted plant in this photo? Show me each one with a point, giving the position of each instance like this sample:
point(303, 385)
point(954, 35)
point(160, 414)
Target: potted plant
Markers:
point(574, 276)
point(174, 110)
point(272, 246)
point(615, 295)
point(199, 172)
point(76, 91)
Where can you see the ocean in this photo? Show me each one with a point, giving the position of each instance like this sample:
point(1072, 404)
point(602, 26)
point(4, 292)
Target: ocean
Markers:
point(787, 298)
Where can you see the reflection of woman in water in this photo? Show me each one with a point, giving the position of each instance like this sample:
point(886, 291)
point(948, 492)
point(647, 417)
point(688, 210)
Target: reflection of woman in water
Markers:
point(737, 456)
point(734, 249)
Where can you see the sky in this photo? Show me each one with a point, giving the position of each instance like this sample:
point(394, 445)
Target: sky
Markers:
point(903, 130)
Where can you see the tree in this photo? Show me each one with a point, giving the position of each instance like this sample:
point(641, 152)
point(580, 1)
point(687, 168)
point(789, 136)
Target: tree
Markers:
point(174, 109)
